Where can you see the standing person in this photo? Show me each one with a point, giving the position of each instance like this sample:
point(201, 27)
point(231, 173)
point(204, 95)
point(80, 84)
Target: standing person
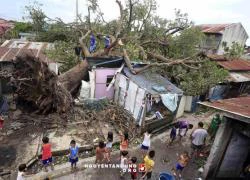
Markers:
point(109, 145)
point(149, 165)
point(133, 169)
point(183, 126)
point(123, 142)
point(21, 172)
point(173, 133)
point(124, 163)
point(46, 154)
point(146, 143)
point(100, 152)
point(181, 164)
point(73, 156)
point(198, 139)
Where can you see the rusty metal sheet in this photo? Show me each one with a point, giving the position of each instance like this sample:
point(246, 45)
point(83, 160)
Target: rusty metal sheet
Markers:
point(239, 106)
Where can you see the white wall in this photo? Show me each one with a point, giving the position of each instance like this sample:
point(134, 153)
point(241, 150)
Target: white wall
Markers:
point(233, 33)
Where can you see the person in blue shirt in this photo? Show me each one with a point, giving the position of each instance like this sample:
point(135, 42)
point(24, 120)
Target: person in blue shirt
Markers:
point(73, 156)
point(92, 46)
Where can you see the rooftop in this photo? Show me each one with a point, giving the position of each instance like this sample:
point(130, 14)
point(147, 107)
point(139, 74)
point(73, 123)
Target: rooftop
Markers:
point(151, 81)
point(238, 106)
point(12, 48)
point(213, 28)
point(236, 64)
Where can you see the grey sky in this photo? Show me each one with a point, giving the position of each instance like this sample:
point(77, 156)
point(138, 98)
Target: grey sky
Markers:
point(200, 11)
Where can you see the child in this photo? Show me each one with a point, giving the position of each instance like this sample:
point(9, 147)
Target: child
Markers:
point(100, 152)
point(133, 169)
point(146, 143)
point(182, 162)
point(109, 145)
point(124, 162)
point(124, 141)
point(149, 164)
point(73, 156)
point(173, 133)
point(21, 172)
point(46, 154)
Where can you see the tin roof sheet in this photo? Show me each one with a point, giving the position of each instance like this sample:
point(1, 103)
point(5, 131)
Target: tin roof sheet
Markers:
point(238, 106)
point(239, 76)
point(235, 65)
point(151, 81)
point(213, 28)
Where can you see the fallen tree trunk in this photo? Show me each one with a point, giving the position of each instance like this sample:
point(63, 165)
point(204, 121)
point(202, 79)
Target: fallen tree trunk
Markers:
point(72, 78)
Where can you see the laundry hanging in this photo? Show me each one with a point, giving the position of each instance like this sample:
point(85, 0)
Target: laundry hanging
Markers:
point(170, 101)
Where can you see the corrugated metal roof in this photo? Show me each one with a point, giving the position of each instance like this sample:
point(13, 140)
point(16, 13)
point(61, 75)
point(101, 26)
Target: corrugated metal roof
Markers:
point(213, 28)
point(12, 48)
point(239, 76)
point(238, 106)
point(235, 65)
point(27, 44)
point(148, 81)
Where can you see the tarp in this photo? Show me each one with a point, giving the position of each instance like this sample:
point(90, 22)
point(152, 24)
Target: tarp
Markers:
point(170, 101)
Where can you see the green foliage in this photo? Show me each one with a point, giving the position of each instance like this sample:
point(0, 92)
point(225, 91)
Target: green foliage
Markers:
point(173, 39)
point(36, 16)
point(235, 51)
point(64, 54)
point(18, 28)
point(197, 82)
point(186, 44)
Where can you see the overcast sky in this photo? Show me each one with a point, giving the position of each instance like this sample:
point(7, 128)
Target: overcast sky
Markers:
point(199, 11)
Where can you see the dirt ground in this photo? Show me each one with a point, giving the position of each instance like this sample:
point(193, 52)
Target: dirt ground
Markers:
point(21, 137)
point(165, 159)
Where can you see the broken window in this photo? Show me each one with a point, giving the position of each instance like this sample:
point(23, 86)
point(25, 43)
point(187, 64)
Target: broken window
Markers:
point(109, 79)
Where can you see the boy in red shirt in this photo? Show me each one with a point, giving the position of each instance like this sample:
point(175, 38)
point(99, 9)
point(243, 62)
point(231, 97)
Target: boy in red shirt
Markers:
point(46, 154)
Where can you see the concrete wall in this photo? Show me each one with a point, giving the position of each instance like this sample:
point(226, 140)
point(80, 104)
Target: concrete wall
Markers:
point(101, 76)
point(218, 149)
point(233, 33)
point(181, 107)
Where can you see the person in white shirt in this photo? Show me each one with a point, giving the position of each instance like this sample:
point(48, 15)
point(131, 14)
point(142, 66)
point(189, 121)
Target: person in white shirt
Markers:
point(198, 139)
point(146, 143)
point(21, 172)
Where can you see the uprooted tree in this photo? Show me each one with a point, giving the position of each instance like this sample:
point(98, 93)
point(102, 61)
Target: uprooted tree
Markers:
point(170, 47)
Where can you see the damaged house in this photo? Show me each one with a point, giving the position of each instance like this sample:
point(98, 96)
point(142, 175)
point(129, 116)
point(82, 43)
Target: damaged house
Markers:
point(152, 99)
point(230, 153)
point(238, 81)
point(100, 79)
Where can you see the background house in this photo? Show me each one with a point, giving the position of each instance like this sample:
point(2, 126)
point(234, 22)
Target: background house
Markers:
point(4, 26)
point(230, 152)
point(222, 35)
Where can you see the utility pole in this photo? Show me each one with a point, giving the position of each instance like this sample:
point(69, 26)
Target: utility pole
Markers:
point(77, 11)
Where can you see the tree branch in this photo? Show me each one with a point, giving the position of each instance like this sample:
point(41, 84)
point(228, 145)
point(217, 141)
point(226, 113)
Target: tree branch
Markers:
point(128, 62)
point(118, 31)
point(83, 45)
